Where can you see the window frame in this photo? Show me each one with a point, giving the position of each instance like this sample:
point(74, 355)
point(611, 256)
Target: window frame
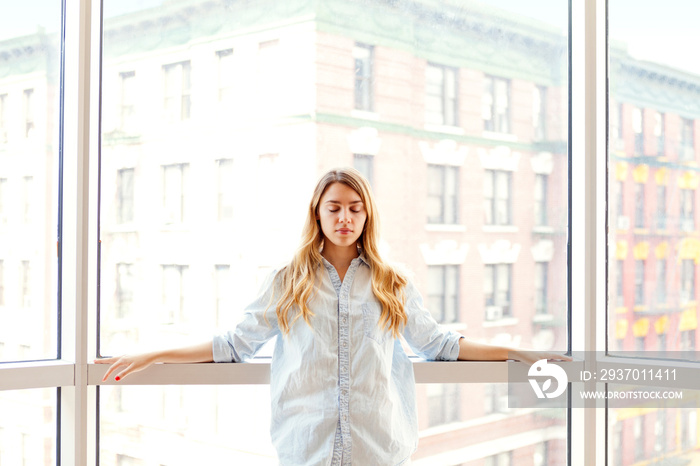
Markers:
point(77, 379)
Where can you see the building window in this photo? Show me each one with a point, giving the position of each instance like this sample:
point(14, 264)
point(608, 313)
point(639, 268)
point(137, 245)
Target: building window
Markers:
point(4, 201)
point(364, 77)
point(3, 118)
point(660, 432)
point(177, 91)
point(661, 207)
point(687, 149)
point(661, 342)
point(443, 194)
point(638, 282)
point(687, 213)
point(124, 295)
point(441, 97)
point(226, 74)
point(660, 281)
point(28, 112)
point(125, 195)
point(639, 438)
point(540, 207)
point(27, 184)
point(660, 133)
point(687, 340)
point(619, 281)
point(639, 205)
point(541, 287)
point(127, 108)
point(443, 292)
point(496, 105)
point(224, 189)
point(174, 187)
point(687, 280)
point(443, 403)
point(174, 293)
point(539, 113)
point(688, 432)
point(25, 277)
point(620, 199)
point(222, 291)
point(497, 197)
point(501, 459)
point(497, 291)
point(640, 343)
point(495, 398)
point(365, 165)
point(541, 455)
point(638, 129)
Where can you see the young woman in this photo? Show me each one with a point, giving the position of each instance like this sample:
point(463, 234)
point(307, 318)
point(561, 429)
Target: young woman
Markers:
point(342, 387)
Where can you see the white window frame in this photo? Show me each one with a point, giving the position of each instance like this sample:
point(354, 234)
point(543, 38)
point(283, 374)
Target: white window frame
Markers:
point(78, 377)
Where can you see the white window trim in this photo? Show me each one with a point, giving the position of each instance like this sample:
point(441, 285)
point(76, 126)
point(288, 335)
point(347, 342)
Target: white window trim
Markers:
point(78, 378)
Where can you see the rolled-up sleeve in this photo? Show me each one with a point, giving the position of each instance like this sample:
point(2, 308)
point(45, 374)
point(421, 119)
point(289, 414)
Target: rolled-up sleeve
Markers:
point(257, 327)
point(424, 335)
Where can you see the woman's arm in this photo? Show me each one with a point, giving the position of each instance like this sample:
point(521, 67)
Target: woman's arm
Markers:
point(138, 362)
point(473, 351)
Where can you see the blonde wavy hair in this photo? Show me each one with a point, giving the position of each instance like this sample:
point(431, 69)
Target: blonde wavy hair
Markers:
point(296, 282)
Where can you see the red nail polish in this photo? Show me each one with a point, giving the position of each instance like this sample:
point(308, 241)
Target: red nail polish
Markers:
point(117, 378)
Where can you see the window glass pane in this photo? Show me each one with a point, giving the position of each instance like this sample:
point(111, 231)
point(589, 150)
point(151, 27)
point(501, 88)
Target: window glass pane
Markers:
point(292, 115)
point(652, 178)
point(28, 427)
point(30, 51)
point(663, 431)
point(455, 431)
point(185, 425)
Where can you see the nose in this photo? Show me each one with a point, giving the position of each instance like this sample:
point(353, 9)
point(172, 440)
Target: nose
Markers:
point(344, 216)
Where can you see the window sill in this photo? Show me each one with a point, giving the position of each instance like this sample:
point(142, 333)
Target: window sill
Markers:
point(504, 322)
point(365, 115)
point(508, 137)
point(540, 318)
point(456, 130)
point(449, 227)
point(500, 229)
point(543, 230)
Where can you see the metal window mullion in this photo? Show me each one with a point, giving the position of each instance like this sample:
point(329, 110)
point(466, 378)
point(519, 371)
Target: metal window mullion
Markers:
point(76, 411)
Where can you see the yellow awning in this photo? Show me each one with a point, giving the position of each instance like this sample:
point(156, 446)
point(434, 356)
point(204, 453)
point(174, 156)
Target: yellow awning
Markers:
point(621, 171)
point(661, 176)
point(641, 250)
point(689, 248)
point(621, 328)
point(641, 173)
point(688, 180)
point(661, 325)
point(689, 320)
point(661, 250)
point(621, 250)
point(641, 327)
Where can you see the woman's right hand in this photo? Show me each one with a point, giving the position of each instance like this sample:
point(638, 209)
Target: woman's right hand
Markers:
point(130, 363)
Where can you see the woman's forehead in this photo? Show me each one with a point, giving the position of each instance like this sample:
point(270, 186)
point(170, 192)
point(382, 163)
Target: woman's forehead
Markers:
point(338, 191)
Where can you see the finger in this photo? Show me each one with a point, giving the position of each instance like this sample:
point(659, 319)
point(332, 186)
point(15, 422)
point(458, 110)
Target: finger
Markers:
point(129, 369)
point(105, 360)
point(111, 369)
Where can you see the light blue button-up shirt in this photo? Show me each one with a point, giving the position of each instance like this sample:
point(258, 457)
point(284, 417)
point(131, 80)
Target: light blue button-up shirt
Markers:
point(342, 390)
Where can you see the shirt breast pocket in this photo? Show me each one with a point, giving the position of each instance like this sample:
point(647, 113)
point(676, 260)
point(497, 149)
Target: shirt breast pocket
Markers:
point(370, 322)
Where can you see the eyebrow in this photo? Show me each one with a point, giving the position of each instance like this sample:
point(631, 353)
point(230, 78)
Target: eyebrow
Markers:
point(338, 202)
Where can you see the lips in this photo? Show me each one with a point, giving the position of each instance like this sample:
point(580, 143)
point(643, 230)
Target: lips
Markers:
point(344, 231)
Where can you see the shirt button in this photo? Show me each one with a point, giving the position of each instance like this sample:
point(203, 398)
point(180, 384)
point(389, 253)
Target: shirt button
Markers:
point(343, 369)
point(344, 320)
point(344, 344)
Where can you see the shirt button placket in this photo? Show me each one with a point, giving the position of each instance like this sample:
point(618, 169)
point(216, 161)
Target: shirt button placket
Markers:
point(344, 361)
